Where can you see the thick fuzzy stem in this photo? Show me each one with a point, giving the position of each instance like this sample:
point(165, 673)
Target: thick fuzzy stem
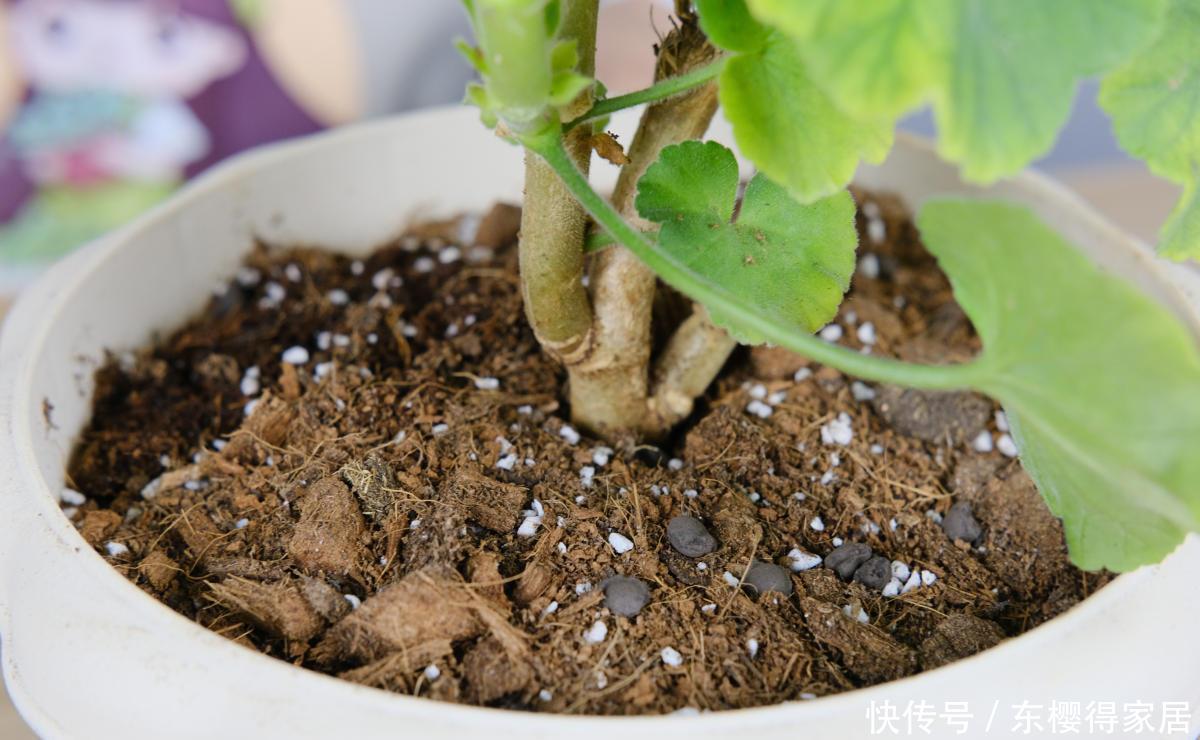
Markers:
point(609, 388)
point(551, 257)
point(553, 224)
point(694, 355)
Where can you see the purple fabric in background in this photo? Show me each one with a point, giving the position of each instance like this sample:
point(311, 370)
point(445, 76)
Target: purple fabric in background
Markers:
point(239, 111)
point(248, 108)
point(14, 187)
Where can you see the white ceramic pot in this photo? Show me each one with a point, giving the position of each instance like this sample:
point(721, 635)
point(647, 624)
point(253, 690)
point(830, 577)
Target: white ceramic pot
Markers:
point(87, 654)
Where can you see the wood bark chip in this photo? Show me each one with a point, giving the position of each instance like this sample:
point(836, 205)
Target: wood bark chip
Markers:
point(489, 502)
point(279, 608)
point(328, 537)
point(158, 569)
point(868, 652)
point(398, 618)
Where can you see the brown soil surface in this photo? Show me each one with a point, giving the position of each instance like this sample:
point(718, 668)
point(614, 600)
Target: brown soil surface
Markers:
point(365, 512)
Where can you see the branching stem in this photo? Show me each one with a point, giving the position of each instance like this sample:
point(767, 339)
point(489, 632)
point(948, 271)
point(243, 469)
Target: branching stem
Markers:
point(869, 367)
point(660, 90)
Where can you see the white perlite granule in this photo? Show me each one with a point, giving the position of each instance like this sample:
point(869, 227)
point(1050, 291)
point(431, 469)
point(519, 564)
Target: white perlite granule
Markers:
point(1006, 445)
point(869, 266)
point(596, 634)
point(72, 497)
point(620, 543)
point(801, 560)
point(982, 441)
point(601, 455)
point(861, 391)
point(759, 409)
point(671, 657)
point(295, 355)
point(839, 431)
point(831, 333)
point(866, 333)
point(251, 384)
point(856, 612)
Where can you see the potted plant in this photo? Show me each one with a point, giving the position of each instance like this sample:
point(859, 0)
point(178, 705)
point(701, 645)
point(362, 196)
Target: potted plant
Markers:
point(362, 464)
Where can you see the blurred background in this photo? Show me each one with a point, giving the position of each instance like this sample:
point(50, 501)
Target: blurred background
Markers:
point(107, 106)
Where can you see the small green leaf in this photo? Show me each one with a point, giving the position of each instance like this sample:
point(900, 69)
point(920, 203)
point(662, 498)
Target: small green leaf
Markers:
point(600, 92)
point(791, 261)
point(553, 16)
point(1154, 101)
point(1001, 74)
point(472, 54)
point(477, 95)
point(729, 25)
point(1101, 384)
point(790, 128)
point(566, 86)
point(564, 56)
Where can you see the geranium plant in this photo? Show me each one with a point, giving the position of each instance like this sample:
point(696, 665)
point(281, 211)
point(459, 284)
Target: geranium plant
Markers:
point(1101, 384)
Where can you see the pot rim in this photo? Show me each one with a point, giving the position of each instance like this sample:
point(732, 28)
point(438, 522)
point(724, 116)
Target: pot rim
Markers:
point(32, 319)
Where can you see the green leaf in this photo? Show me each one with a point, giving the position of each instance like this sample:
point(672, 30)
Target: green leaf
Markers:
point(790, 128)
point(1154, 101)
point(1181, 234)
point(1101, 384)
point(729, 25)
point(877, 59)
point(791, 261)
point(1014, 69)
point(1001, 75)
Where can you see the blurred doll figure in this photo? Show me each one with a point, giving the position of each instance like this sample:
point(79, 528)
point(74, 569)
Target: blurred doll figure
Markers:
point(107, 105)
point(104, 131)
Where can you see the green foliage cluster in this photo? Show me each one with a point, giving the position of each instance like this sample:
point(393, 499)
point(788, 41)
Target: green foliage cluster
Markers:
point(1101, 384)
